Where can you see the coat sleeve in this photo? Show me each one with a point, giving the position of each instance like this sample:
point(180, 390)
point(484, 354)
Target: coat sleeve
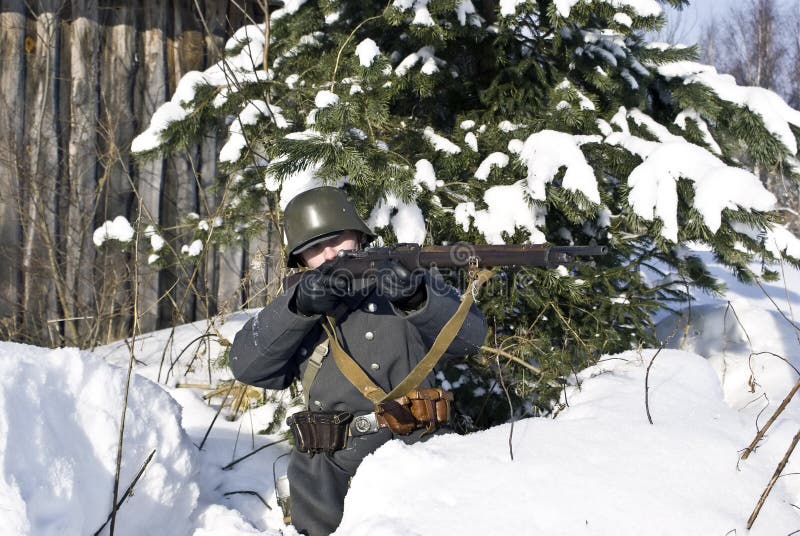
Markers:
point(440, 305)
point(264, 351)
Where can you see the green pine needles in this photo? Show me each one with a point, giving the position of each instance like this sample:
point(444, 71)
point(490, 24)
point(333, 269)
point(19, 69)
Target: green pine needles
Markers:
point(543, 121)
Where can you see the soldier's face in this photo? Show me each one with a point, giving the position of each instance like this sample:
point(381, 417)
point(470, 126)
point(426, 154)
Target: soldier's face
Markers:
point(327, 250)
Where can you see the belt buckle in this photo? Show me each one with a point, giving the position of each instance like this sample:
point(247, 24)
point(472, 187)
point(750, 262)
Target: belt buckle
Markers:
point(365, 424)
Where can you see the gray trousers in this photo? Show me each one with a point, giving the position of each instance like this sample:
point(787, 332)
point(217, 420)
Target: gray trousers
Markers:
point(319, 483)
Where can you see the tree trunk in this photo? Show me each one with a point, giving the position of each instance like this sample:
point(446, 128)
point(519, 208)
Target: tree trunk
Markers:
point(12, 50)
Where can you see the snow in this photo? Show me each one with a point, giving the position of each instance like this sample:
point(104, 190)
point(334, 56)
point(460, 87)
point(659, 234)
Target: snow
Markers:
point(598, 468)
point(440, 143)
point(118, 229)
point(425, 175)
point(623, 18)
point(226, 76)
point(642, 8)
point(773, 110)
point(507, 208)
point(405, 219)
point(545, 152)
point(472, 141)
point(325, 98)
point(59, 430)
point(430, 63)
point(366, 52)
point(194, 249)
point(508, 8)
point(499, 160)
point(692, 115)
point(653, 183)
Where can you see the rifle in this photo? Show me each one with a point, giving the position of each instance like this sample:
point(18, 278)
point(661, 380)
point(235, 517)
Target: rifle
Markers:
point(365, 262)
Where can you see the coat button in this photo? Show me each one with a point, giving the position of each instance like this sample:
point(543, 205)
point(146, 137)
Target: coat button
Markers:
point(371, 307)
point(303, 352)
point(369, 335)
point(318, 403)
point(374, 366)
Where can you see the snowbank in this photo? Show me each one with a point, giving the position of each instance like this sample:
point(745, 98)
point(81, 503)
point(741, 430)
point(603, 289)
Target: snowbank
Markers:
point(59, 429)
point(598, 468)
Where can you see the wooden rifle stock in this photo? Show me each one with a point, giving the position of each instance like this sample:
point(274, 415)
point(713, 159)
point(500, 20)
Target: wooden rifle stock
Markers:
point(361, 263)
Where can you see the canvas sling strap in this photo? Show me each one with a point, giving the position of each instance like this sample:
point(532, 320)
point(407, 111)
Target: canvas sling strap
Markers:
point(356, 375)
point(312, 368)
point(316, 359)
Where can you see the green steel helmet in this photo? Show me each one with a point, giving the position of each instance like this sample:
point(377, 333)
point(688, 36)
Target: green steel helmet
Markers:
point(317, 214)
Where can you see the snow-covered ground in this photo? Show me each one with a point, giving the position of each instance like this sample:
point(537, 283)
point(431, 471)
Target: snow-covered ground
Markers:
point(598, 468)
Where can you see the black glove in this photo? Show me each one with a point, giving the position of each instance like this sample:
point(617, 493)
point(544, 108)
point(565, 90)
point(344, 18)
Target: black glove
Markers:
point(319, 292)
point(402, 287)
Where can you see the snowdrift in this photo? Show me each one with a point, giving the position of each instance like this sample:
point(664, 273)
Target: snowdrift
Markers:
point(59, 429)
point(599, 468)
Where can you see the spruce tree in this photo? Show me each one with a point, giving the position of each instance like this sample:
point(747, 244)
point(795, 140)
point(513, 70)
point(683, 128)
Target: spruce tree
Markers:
point(511, 121)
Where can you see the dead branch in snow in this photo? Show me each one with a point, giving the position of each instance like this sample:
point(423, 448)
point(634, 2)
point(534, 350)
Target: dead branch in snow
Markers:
point(772, 481)
point(128, 491)
point(751, 447)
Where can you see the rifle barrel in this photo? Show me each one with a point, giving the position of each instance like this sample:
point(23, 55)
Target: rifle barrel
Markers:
point(542, 255)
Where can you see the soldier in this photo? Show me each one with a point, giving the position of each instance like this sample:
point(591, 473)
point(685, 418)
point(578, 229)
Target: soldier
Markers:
point(383, 327)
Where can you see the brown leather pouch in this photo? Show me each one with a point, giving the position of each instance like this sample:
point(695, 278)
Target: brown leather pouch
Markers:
point(319, 431)
point(420, 408)
point(397, 416)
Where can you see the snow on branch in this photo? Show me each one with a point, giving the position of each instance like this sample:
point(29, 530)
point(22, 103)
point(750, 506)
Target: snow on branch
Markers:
point(642, 8)
point(653, 183)
point(773, 110)
point(406, 219)
point(242, 65)
point(545, 152)
point(507, 209)
point(119, 229)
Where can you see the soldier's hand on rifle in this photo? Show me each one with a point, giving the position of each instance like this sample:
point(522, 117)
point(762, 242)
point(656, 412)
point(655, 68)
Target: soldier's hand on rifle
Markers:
point(319, 292)
point(402, 287)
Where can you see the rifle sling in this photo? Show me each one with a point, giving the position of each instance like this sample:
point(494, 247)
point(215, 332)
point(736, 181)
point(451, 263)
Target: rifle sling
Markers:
point(317, 357)
point(312, 368)
point(361, 381)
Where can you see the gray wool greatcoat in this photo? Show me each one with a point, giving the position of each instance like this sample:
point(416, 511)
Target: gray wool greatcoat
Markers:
point(272, 349)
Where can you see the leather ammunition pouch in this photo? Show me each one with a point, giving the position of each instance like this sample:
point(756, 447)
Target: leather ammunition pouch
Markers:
point(320, 431)
point(327, 431)
point(421, 408)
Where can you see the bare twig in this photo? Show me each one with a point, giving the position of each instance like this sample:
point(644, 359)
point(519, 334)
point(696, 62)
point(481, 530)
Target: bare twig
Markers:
point(772, 481)
point(751, 447)
point(219, 409)
point(510, 409)
point(262, 447)
point(789, 320)
point(753, 354)
point(647, 385)
point(128, 491)
point(512, 357)
point(135, 328)
point(249, 492)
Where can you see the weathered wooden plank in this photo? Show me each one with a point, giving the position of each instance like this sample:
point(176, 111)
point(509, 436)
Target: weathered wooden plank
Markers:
point(41, 175)
point(83, 36)
point(212, 19)
point(185, 53)
point(116, 128)
point(151, 93)
point(12, 63)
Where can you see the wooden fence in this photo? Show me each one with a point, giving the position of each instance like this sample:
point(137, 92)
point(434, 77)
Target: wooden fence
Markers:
point(79, 79)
